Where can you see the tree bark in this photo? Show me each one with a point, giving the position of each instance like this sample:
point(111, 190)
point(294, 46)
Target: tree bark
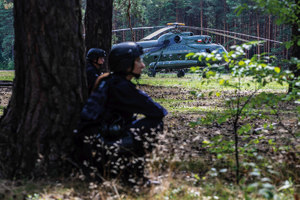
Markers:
point(98, 25)
point(295, 52)
point(201, 16)
point(36, 129)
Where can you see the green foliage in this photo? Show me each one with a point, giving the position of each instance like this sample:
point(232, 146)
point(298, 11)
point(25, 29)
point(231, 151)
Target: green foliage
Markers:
point(262, 71)
point(136, 11)
point(33, 197)
point(6, 34)
point(287, 12)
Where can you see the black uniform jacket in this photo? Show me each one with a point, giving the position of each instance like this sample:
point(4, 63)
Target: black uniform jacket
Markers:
point(92, 74)
point(124, 98)
point(116, 94)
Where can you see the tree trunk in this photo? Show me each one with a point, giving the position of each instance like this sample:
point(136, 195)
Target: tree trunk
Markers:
point(36, 129)
point(201, 16)
point(295, 51)
point(258, 32)
point(98, 25)
point(177, 11)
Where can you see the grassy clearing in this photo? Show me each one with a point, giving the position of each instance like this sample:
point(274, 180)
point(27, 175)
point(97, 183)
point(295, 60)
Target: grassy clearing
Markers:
point(195, 81)
point(179, 106)
point(7, 75)
point(183, 179)
point(187, 106)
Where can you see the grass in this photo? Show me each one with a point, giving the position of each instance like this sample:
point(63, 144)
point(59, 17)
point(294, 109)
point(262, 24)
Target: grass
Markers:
point(188, 185)
point(189, 81)
point(194, 179)
point(196, 82)
point(1, 110)
point(7, 75)
point(185, 106)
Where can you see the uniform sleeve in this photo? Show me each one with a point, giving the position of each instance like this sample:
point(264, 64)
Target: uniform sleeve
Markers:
point(91, 78)
point(129, 99)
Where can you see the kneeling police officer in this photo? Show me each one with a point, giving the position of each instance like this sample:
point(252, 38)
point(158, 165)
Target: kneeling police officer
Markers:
point(110, 115)
point(94, 60)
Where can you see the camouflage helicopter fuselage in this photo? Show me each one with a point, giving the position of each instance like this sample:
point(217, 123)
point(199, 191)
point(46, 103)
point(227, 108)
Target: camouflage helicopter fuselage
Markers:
point(169, 50)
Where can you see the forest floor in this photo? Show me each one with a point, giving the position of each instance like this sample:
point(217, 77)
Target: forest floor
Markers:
point(187, 161)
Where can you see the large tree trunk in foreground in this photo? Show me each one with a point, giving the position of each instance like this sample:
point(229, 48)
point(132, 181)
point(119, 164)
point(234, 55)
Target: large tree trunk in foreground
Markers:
point(98, 25)
point(295, 50)
point(36, 129)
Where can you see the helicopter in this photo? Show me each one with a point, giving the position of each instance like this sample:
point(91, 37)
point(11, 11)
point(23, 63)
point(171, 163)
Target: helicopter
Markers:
point(168, 52)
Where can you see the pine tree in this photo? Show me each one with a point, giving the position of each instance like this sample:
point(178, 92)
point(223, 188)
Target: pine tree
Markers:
point(36, 128)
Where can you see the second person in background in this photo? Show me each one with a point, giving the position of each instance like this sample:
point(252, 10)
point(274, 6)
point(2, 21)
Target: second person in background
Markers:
point(94, 60)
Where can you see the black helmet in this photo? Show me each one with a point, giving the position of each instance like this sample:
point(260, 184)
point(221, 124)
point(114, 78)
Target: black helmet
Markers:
point(95, 53)
point(122, 56)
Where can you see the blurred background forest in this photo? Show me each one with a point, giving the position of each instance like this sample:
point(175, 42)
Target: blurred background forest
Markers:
point(216, 14)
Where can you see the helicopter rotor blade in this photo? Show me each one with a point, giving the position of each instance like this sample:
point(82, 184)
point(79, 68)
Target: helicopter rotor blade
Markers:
point(217, 33)
point(152, 35)
point(236, 36)
point(137, 28)
point(226, 34)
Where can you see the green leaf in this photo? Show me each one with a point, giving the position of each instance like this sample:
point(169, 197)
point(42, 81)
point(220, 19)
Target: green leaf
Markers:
point(189, 55)
point(206, 142)
point(270, 141)
point(244, 129)
point(256, 141)
point(197, 177)
point(277, 70)
point(222, 119)
point(210, 74)
point(193, 92)
point(221, 82)
point(219, 156)
point(241, 63)
point(288, 45)
point(218, 94)
point(193, 69)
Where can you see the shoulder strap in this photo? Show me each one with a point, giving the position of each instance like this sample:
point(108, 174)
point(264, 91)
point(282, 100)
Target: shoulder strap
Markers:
point(96, 103)
point(99, 79)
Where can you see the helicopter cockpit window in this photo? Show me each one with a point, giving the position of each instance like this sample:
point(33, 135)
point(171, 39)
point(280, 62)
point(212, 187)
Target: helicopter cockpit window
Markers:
point(221, 50)
point(177, 39)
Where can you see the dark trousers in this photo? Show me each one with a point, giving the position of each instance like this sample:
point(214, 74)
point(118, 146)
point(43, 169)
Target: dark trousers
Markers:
point(122, 157)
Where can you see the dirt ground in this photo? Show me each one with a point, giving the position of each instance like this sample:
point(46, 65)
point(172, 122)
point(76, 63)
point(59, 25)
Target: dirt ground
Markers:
point(179, 132)
point(189, 139)
point(5, 93)
point(183, 142)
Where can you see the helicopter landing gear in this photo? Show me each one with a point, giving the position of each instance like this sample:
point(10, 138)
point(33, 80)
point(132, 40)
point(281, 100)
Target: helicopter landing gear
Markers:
point(151, 73)
point(180, 73)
